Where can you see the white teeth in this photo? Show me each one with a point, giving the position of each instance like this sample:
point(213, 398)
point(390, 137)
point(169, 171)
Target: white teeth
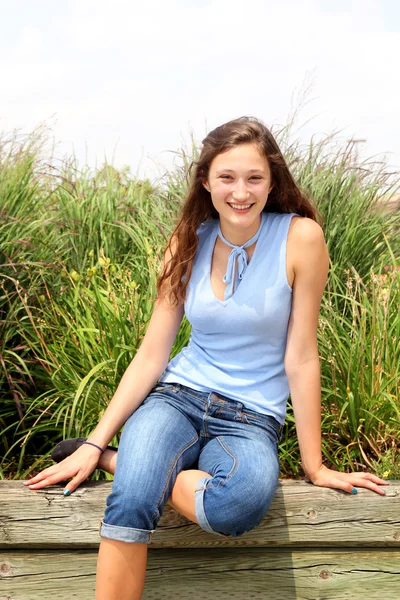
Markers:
point(240, 207)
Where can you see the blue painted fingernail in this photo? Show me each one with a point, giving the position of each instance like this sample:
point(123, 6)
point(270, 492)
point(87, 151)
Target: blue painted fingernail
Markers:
point(354, 491)
point(25, 481)
point(387, 481)
point(66, 492)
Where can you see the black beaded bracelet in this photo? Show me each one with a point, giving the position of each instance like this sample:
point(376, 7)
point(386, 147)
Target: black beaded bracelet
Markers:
point(95, 445)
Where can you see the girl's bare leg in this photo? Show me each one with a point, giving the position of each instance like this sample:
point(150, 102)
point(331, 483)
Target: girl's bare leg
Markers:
point(121, 566)
point(182, 498)
point(108, 461)
point(121, 570)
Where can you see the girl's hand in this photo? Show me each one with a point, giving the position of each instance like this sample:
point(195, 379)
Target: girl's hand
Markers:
point(347, 482)
point(78, 465)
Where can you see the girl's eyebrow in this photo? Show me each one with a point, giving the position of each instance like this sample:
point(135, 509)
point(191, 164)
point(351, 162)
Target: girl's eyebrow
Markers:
point(231, 171)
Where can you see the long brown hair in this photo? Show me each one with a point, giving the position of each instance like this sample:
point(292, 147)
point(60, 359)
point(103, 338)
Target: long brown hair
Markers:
point(285, 197)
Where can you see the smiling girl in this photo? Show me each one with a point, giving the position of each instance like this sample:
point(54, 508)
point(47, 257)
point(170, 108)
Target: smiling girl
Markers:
point(247, 264)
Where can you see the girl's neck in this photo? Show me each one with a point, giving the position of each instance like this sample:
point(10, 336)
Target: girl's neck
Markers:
point(239, 235)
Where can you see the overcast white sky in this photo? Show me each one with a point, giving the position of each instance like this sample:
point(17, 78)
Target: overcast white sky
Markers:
point(129, 80)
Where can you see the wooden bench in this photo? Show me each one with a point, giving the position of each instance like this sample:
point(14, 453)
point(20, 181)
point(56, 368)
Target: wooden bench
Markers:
point(315, 543)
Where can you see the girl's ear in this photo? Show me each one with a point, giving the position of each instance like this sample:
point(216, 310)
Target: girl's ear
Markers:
point(205, 184)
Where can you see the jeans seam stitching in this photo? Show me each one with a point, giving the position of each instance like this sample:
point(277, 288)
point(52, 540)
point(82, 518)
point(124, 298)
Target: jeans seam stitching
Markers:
point(189, 394)
point(263, 419)
point(188, 445)
point(235, 461)
point(186, 392)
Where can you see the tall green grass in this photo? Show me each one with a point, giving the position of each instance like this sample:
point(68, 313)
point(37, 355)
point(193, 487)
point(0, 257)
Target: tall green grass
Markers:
point(79, 254)
point(348, 195)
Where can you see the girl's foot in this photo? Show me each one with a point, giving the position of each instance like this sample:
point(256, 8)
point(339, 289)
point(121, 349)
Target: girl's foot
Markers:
point(68, 447)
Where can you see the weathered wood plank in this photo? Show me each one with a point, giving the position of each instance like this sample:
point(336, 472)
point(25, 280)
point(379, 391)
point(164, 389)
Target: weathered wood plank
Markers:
point(237, 574)
point(301, 514)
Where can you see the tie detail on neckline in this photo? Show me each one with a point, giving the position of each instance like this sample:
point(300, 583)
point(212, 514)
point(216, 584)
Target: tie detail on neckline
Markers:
point(239, 253)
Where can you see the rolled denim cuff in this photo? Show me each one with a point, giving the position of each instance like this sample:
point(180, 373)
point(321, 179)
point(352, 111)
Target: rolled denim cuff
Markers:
point(126, 534)
point(199, 506)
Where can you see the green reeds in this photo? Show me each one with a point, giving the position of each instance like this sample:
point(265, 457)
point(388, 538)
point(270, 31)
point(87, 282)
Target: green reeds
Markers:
point(80, 251)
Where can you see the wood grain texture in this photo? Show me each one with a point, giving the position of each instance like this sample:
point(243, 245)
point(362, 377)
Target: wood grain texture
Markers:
point(300, 515)
point(234, 573)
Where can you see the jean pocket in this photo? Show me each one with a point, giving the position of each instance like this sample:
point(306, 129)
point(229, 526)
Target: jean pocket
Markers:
point(266, 424)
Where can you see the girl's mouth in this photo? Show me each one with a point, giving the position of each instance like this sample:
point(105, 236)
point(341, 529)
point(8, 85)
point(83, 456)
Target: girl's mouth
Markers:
point(240, 208)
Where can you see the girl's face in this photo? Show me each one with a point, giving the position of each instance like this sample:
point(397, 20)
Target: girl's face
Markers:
point(239, 182)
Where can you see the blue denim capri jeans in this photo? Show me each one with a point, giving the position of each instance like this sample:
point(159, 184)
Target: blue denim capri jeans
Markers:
point(178, 428)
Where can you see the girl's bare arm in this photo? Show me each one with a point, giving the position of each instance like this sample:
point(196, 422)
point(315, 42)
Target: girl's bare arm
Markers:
point(143, 372)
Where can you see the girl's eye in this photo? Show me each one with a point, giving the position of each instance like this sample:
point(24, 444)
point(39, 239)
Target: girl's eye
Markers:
point(229, 177)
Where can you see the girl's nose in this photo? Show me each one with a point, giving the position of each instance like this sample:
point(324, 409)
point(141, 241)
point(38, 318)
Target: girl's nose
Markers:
point(240, 192)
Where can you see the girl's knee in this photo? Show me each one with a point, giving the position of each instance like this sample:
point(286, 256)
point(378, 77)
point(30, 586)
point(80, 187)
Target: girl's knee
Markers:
point(233, 512)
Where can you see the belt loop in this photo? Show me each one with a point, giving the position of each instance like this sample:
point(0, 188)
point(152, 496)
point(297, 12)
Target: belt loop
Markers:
point(239, 411)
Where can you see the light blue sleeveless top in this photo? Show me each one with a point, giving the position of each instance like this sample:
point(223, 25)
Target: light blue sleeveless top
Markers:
point(237, 345)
